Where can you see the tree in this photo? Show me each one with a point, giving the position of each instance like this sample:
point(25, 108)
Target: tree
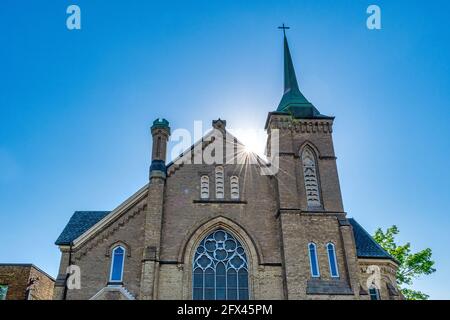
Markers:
point(411, 265)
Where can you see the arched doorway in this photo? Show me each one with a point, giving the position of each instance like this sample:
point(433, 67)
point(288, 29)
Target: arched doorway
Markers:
point(220, 268)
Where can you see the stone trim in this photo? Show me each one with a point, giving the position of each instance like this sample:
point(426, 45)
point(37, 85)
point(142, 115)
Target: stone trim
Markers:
point(339, 214)
point(100, 238)
point(299, 125)
point(119, 288)
point(118, 243)
point(327, 158)
point(205, 201)
point(319, 287)
point(201, 229)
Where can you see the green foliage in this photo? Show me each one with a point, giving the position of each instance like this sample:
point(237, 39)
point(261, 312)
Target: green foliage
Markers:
point(414, 294)
point(411, 265)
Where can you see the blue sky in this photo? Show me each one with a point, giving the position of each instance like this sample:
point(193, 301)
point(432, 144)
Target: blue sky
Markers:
point(76, 106)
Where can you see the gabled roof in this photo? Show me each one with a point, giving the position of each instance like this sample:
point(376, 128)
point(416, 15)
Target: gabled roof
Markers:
point(206, 138)
point(79, 223)
point(84, 224)
point(366, 246)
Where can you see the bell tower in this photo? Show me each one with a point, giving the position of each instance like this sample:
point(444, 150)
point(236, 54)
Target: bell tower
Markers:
point(310, 208)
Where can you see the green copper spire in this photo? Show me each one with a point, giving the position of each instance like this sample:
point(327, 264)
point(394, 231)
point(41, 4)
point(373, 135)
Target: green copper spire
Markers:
point(291, 90)
point(293, 101)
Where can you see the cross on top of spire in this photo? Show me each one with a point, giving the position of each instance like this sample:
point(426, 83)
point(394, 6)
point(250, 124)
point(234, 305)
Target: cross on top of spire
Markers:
point(284, 28)
point(293, 101)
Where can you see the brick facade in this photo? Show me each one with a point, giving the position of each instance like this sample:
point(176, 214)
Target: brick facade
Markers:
point(275, 218)
point(161, 226)
point(19, 278)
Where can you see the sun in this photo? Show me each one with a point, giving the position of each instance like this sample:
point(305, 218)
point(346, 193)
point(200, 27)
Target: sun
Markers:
point(253, 143)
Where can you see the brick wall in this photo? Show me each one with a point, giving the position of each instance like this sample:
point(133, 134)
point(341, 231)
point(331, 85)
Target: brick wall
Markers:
point(17, 277)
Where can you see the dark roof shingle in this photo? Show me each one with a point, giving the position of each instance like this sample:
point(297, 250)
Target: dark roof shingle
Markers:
point(79, 223)
point(366, 246)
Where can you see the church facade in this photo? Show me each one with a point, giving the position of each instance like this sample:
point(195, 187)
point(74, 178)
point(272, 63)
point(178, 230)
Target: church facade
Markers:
point(224, 230)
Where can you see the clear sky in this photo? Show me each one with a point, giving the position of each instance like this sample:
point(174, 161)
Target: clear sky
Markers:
point(76, 106)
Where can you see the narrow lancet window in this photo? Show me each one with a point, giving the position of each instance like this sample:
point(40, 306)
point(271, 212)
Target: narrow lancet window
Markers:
point(117, 263)
point(314, 263)
point(332, 260)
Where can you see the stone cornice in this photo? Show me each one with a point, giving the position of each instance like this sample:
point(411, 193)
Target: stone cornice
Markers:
point(310, 212)
point(286, 122)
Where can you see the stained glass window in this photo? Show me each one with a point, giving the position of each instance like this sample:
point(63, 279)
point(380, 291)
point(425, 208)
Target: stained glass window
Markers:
point(220, 268)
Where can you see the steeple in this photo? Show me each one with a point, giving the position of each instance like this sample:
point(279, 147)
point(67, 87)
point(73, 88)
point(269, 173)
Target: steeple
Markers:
point(293, 101)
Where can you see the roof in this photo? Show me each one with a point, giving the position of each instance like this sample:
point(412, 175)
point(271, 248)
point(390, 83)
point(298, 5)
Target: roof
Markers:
point(27, 265)
point(79, 223)
point(366, 246)
point(207, 137)
point(293, 101)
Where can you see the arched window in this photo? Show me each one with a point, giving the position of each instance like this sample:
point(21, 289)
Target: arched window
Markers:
point(374, 293)
point(220, 268)
point(313, 261)
point(204, 187)
point(117, 262)
point(332, 260)
point(234, 186)
point(219, 183)
point(310, 176)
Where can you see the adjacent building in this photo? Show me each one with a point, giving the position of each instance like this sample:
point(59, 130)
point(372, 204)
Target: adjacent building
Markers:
point(24, 282)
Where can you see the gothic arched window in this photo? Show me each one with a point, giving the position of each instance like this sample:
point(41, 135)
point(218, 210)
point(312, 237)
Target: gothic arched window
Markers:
point(204, 187)
point(117, 263)
point(310, 176)
point(234, 186)
point(219, 183)
point(220, 268)
point(332, 260)
point(314, 262)
point(374, 293)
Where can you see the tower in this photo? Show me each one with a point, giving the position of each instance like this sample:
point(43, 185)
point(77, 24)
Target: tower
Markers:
point(160, 131)
point(311, 216)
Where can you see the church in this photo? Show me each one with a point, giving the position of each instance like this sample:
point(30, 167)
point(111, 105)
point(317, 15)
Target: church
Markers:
point(223, 230)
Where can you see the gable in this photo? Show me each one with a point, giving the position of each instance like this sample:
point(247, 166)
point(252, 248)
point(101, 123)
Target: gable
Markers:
point(239, 147)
